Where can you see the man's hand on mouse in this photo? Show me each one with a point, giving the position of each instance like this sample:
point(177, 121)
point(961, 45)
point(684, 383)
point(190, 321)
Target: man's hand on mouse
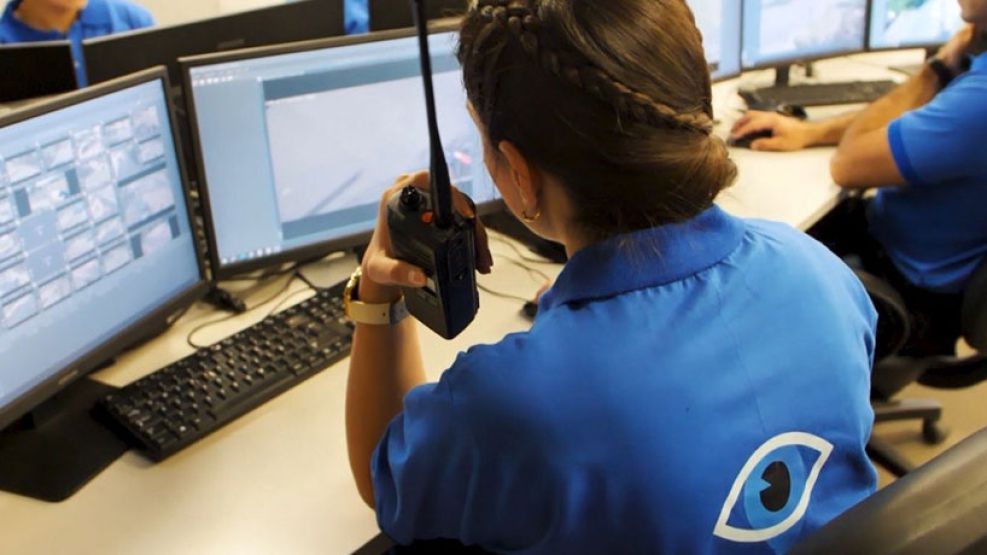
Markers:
point(787, 133)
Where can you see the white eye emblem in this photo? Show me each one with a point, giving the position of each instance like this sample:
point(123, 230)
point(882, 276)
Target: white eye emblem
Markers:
point(774, 487)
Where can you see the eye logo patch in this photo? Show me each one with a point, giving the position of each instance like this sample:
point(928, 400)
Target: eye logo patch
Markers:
point(772, 492)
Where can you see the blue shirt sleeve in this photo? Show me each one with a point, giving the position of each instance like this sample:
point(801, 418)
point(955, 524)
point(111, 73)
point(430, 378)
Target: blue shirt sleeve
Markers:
point(421, 468)
point(447, 469)
point(944, 139)
point(140, 17)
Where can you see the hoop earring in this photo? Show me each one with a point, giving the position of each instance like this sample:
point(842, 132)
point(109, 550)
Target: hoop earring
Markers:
point(524, 211)
point(530, 219)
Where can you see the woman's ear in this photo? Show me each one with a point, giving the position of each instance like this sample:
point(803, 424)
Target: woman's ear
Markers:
point(523, 177)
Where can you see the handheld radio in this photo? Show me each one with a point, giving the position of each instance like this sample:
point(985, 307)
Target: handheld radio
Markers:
point(426, 231)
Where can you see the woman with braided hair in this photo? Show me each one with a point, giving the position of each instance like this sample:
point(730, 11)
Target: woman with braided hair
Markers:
point(693, 382)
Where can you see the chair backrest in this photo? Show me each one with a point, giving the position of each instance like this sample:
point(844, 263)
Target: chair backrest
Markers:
point(893, 322)
point(975, 309)
point(939, 508)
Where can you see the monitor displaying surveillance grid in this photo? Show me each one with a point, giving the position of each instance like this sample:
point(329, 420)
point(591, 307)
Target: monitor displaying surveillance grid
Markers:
point(94, 231)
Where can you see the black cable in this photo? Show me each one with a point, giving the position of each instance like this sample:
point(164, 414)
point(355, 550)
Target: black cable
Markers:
point(285, 300)
point(309, 282)
point(502, 295)
point(520, 254)
point(191, 335)
point(532, 272)
point(179, 315)
point(264, 275)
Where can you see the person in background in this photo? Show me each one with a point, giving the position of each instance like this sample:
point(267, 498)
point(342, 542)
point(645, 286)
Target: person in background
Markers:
point(356, 16)
point(693, 382)
point(923, 147)
point(73, 20)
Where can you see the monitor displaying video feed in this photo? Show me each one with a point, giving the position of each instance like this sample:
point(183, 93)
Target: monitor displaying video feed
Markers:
point(719, 22)
point(94, 233)
point(778, 32)
point(912, 23)
point(296, 148)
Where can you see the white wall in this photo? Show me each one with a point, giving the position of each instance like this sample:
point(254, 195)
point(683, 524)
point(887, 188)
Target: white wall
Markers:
point(168, 12)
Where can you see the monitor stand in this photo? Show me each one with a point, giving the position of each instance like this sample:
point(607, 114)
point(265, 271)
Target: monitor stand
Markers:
point(783, 79)
point(783, 76)
point(504, 222)
point(60, 446)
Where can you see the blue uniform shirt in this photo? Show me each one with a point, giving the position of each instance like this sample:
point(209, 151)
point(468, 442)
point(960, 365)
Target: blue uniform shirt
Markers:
point(98, 18)
point(356, 16)
point(935, 227)
point(696, 388)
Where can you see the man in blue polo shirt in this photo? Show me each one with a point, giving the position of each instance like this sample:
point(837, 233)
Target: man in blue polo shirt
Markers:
point(74, 20)
point(923, 147)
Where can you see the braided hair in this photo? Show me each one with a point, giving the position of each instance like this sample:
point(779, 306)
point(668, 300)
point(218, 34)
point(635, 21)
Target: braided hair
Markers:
point(611, 96)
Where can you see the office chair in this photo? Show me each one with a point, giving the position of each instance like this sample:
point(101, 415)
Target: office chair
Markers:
point(893, 372)
point(382, 545)
point(939, 508)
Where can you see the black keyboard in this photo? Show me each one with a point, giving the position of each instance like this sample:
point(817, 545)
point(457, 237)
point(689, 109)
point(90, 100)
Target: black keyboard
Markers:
point(182, 403)
point(824, 94)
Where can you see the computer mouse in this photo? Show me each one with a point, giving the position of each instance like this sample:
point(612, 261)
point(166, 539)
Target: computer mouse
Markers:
point(744, 141)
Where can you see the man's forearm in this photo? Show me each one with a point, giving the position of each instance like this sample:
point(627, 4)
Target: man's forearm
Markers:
point(828, 132)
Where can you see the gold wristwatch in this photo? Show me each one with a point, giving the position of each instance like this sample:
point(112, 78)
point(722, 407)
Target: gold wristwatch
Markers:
point(358, 312)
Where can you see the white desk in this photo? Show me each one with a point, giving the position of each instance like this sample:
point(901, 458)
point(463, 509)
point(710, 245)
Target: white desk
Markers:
point(277, 480)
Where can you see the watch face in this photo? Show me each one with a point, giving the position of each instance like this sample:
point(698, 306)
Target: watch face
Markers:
point(349, 292)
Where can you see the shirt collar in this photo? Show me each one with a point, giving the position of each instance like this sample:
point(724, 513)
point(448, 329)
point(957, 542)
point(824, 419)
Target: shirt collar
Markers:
point(647, 258)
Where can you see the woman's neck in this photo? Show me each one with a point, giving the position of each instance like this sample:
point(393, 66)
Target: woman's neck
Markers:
point(43, 17)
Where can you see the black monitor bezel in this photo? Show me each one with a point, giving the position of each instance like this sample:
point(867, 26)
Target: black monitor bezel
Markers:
point(783, 62)
point(140, 329)
point(59, 48)
point(337, 16)
point(316, 250)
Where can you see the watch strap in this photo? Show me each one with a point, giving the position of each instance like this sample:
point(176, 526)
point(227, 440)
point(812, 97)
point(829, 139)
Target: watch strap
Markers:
point(374, 314)
point(942, 71)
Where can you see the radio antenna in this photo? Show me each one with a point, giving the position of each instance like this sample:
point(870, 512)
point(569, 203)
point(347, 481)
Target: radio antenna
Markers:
point(440, 184)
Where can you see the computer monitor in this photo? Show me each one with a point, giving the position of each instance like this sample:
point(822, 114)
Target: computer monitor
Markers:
point(96, 247)
point(35, 69)
point(295, 144)
point(780, 32)
point(116, 55)
point(396, 14)
point(719, 22)
point(912, 24)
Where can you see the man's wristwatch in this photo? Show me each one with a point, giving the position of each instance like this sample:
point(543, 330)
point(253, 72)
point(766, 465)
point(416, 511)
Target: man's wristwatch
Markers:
point(943, 73)
point(358, 312)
